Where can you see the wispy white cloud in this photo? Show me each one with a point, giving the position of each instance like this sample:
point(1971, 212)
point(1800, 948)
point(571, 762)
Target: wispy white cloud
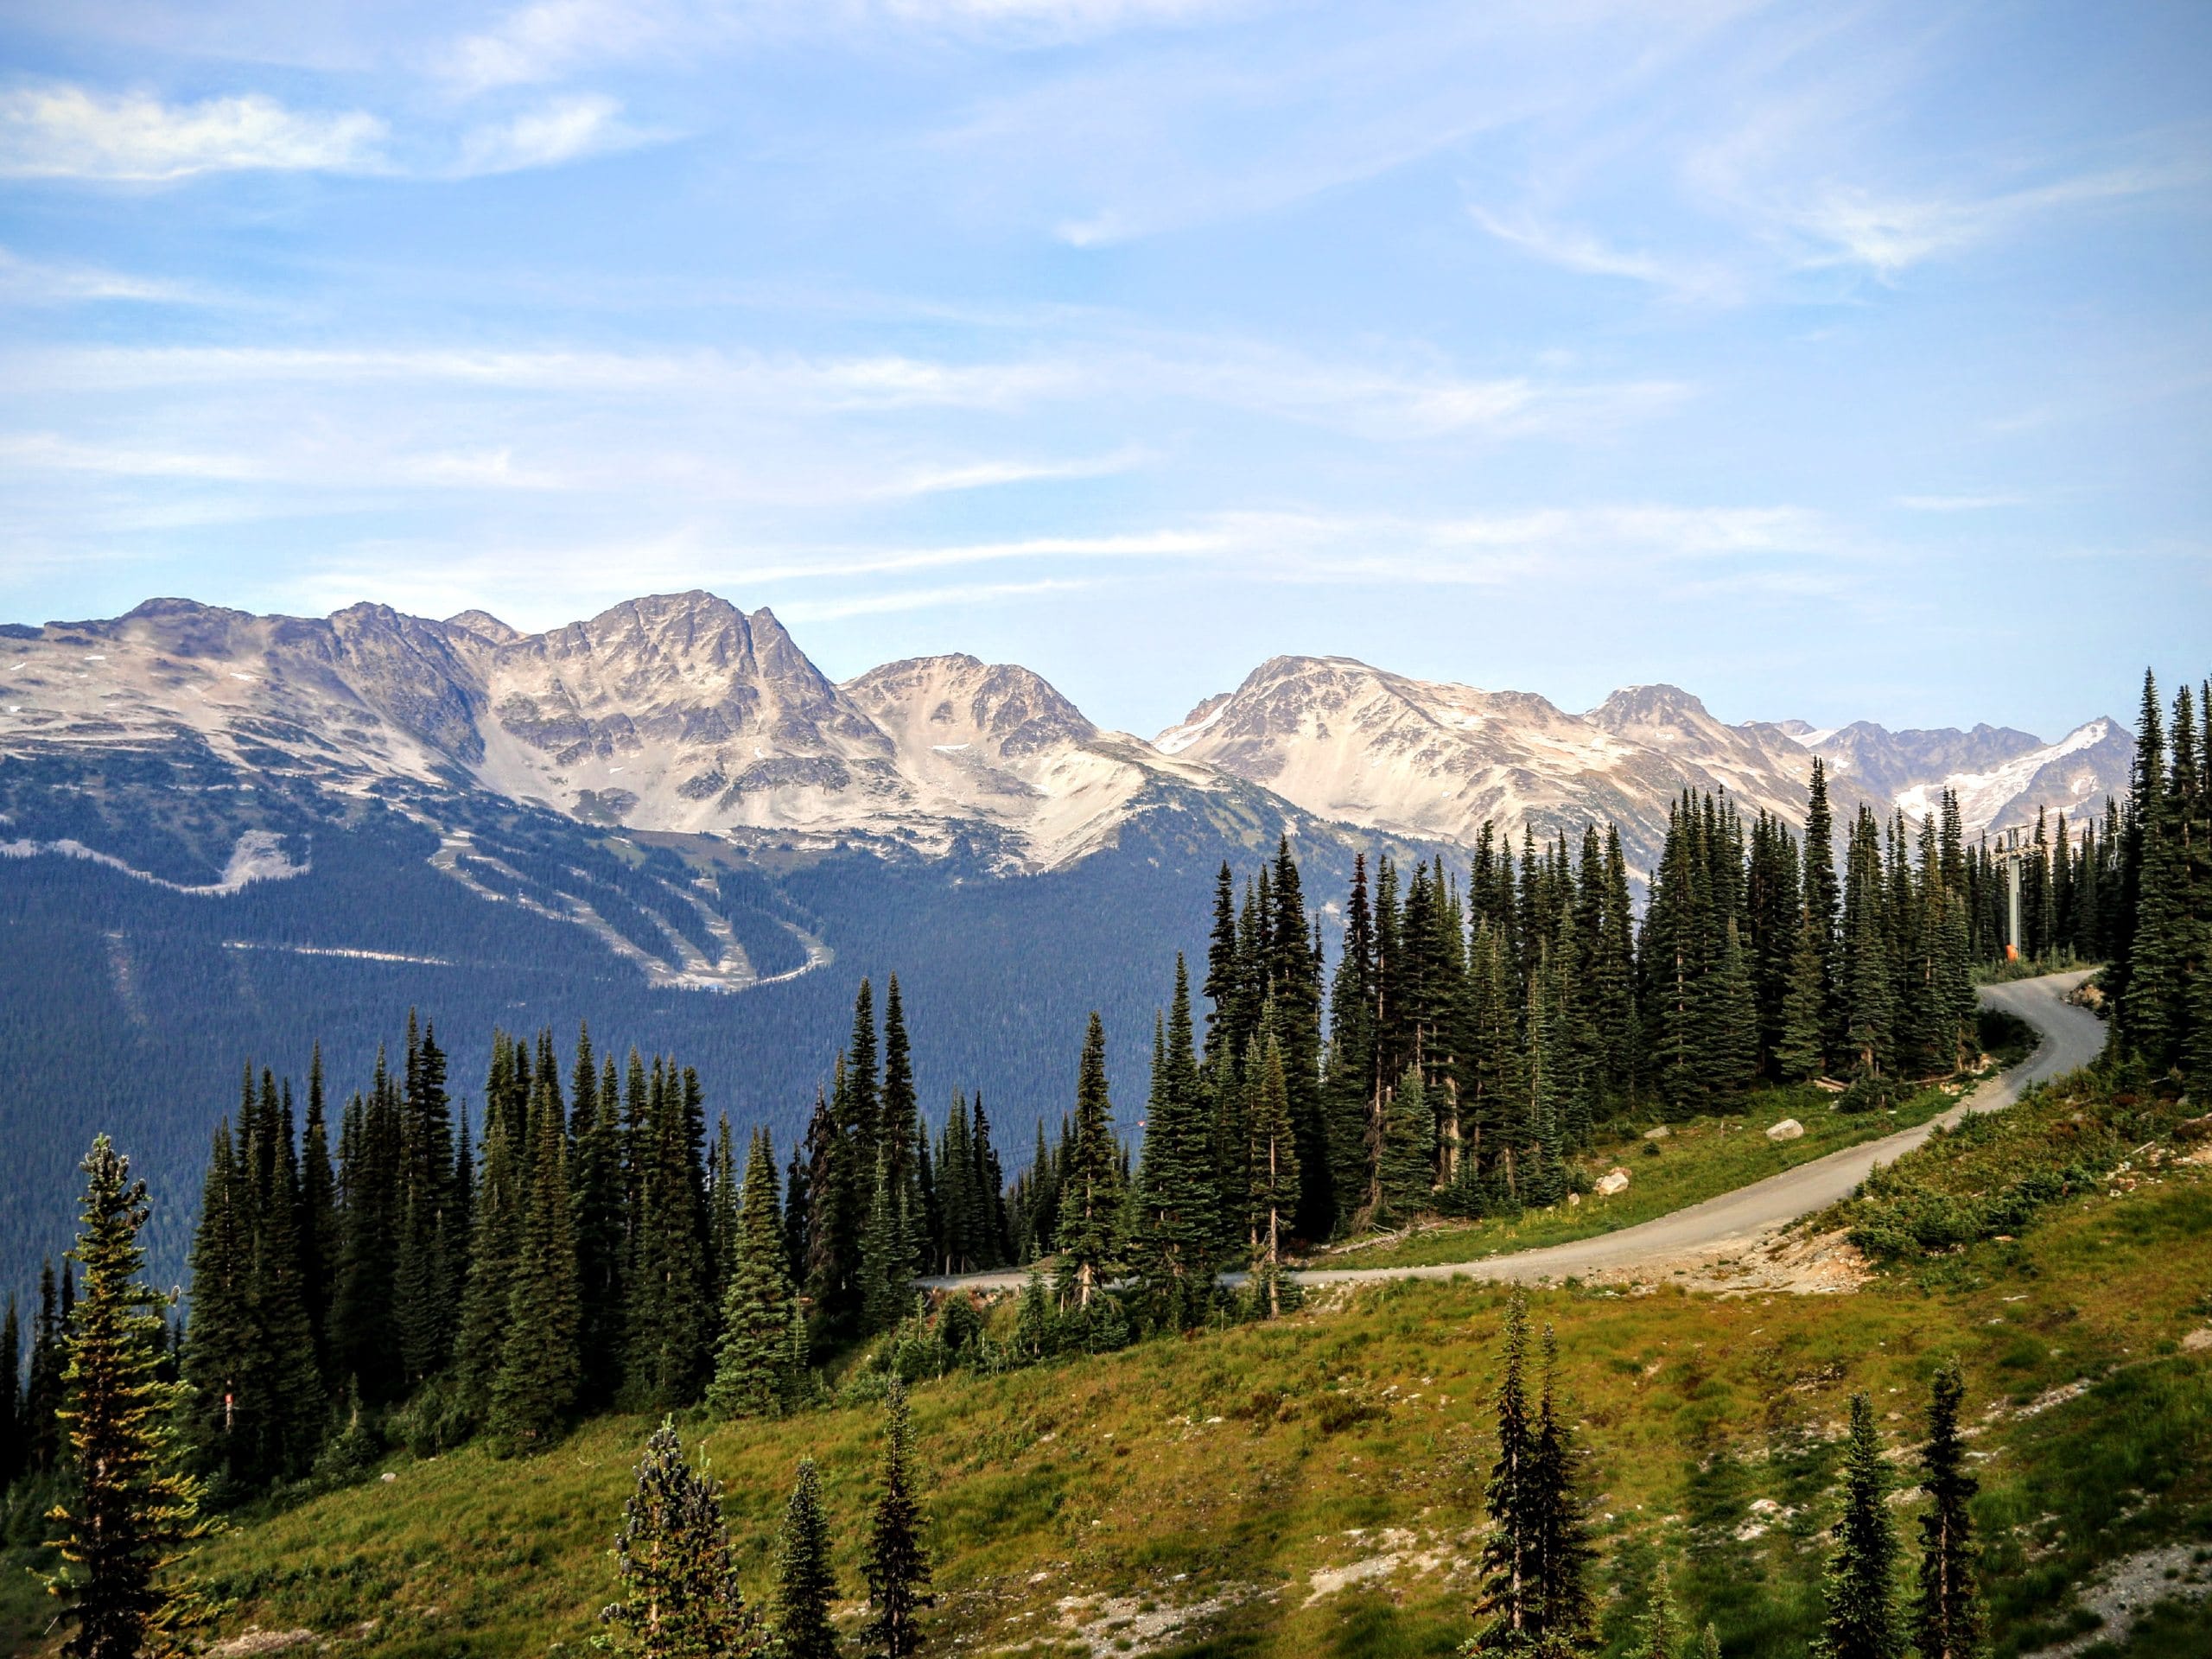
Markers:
point(1887, 234)
point(69, 132)
point(1388, 400)
point(922, 599)
point(37, 282)
point(563, 129)
point(1960, 503)
point(1575, 250)
point(987, 474)
point(546, 39)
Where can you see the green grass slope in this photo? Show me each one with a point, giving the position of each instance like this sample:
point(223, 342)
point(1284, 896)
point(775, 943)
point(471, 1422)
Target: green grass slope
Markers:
point(1311, 1487)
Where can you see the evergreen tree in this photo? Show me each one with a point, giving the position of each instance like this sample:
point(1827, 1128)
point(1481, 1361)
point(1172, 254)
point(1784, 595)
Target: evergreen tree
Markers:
point(427, 1262)
point(1274, 1186)
point(680, 1596)
point(128, 1513)
point(1947, 1621)
point(220, 1351)
point(597, 1184)
point(42, 1386)
point(1091, 1197)
point(1179, 1201)
point(364, 1337)
point(1867, 988)
point(1660, 1635)
point(901, 1139)
point(896, 1565)
point(1507, 1608)
point(760, 1316)
point(1351, 1093)
point(535, 1388)
point(1563, 1552)
point(495, 1247)
point(806, 1583)
point(1822, 902)
point(1860, 1621)
point(1408, 1158)
point(888, 1288)
point(665, 1360)
point(320, 1233)
point(1801, 1052)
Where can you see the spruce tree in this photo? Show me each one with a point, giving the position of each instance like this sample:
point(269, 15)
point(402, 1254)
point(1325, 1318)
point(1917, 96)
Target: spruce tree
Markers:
point(220, 1351)
point(1660, 1633)
point(42, 1386)
point(1801, 1054)
point(1822, 900)
point(1274, 1186)
point(495, 1246)
point(1407, 1158)
point(535, 1388)
point(666, 1348)
point(806, 1583)
point(319, 1232)
point(1946, 1618)
point(596, 1179)
point(1180, 1202)
point(680, 1596)
point(887, 1288)
point(752, 1370)
point(428, 1258)
point(1350, 1089)
point(1090, 1196)
point(895, 1564)
point(1860, 1620)
point(1507, 1610)
point(1563, 1551)
point(128, 1514)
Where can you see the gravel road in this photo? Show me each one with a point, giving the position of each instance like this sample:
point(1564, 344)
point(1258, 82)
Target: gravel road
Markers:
point(2072, 1037)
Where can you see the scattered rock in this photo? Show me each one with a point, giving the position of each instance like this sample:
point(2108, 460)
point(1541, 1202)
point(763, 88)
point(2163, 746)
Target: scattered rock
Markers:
point(1614, 1181)
point(1401, 1551)
point(1789, 1129)
point(250, 1643)
point(2130, 1587)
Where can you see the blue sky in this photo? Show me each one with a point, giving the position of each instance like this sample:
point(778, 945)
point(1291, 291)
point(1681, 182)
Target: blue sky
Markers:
point(1832, 360)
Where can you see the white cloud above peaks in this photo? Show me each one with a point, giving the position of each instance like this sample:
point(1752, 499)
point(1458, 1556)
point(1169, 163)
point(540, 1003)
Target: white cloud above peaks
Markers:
point(65, 132)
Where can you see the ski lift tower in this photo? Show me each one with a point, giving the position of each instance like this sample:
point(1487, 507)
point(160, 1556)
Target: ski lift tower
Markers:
point(2011, 850)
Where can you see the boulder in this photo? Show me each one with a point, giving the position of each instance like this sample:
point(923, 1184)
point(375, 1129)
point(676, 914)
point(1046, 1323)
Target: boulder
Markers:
point(1659, 1132)
point(1612, 1181)
point(1789, 1129)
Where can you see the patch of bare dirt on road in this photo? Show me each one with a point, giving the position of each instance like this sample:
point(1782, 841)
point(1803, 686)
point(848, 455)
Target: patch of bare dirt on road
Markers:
point(1786, 1259)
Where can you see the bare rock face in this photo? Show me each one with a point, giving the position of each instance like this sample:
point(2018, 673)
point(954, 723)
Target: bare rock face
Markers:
point(680, 712)
point(1346, 740)
point(1356, 743)
point(675, 712)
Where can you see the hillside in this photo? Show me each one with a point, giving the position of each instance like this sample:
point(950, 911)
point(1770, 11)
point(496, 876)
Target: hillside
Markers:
point(1311, 1486)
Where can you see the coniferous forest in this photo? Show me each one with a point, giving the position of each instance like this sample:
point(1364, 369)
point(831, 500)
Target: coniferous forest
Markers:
point(376, 1263)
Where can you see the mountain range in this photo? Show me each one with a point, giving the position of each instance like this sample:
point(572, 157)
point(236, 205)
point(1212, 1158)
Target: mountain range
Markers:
point(683, 715)
point(226, 837)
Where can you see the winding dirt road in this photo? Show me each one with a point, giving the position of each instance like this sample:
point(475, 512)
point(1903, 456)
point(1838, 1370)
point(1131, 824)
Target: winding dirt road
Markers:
point(2072, 1037)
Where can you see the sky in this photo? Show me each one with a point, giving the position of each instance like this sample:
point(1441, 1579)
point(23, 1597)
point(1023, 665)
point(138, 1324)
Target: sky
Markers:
point(1835, 361)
